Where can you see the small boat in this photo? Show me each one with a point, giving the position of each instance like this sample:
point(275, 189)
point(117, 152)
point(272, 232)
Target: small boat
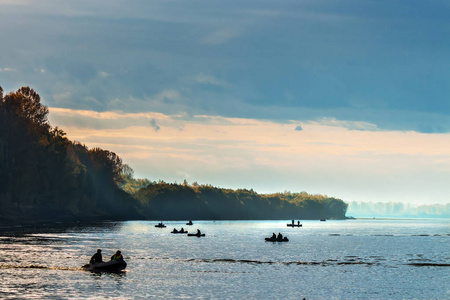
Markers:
point(322, 220)
point(285, 239)
point(196, 234)
point(294, 225)
point(109, 266)
point(160, 225)
point(189, 223)
point(178, 231)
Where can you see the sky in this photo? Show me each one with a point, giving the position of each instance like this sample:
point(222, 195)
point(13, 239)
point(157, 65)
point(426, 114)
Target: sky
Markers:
point(346, 98)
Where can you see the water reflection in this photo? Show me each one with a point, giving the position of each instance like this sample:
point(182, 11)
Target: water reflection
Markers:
point(233, 259)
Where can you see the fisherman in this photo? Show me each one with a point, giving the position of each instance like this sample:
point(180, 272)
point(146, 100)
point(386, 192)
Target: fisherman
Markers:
point(175, 230)
point(298, 223)
point(274, 236)
point(198, 232)
point(182, 230)
point(280, 236)
point(292, 222)
point(118, 256)
point(97, 257)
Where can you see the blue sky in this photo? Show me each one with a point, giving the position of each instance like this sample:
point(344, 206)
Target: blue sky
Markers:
point(324, 96)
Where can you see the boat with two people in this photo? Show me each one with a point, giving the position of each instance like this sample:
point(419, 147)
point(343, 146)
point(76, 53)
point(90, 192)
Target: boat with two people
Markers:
point(96, 264)
point(198, 234)
point(293, 224)
point(275, 238)
point(179, 231)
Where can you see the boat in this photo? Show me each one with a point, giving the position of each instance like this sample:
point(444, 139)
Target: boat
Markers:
point(294, 225)
point(109, 266)
point(178, 231)
point(160, 225)
point(322, 220)
point(189, 223)
point(285, 239)
point(196, 234)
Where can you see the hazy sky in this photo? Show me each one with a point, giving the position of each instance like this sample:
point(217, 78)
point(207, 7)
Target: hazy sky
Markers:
point(347, 98)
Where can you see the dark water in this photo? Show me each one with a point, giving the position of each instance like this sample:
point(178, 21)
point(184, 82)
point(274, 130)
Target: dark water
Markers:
point(354, 259)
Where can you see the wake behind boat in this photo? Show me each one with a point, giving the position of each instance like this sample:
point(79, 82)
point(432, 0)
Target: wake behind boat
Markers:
point(109, 266)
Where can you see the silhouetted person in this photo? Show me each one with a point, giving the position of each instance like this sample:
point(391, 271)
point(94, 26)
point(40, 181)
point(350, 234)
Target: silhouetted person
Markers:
point(280, 236)
point(175, 230)
point(292, 222)
point(198, 232)
point(118, 256)
point(97, 257)
point(182, 229)
point(298, 223)
point(274, 236)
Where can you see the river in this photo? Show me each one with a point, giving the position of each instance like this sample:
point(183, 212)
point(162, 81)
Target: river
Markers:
point(348, 259)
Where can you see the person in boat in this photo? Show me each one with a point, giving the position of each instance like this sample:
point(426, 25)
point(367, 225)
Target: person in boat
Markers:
point(182, 230)
point(175, 230)
point(190, 222)
point(274, 236)
point(292, 222)
point(280, 236)
point(97, 257)
point(198, 232)
point(117, 256)
point(298, 223)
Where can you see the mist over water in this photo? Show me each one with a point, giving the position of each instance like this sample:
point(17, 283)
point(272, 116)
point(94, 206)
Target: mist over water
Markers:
point(353, 259)
point(397, 210)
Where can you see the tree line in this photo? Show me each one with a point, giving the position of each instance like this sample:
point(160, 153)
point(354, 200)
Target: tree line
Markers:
point(44, 175)
point(174, 201)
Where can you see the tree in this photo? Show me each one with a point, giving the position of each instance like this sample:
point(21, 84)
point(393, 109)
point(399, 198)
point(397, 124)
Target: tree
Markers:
point(108, 163)
point(26, 104)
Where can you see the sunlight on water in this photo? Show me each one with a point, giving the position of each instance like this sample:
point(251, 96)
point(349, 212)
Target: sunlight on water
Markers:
point(373, 259)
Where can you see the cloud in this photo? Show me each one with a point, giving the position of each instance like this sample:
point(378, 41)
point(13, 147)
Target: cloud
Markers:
point(241, 152)
point(154, 125)
point(220, 36)
point(14, 2)
point(210, 79)
point(350, 125)
point(330, 61)
point(103, 74)
point(110, 120)
point(7, 69)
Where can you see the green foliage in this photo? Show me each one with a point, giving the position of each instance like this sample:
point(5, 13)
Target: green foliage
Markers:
point(129, 184)
point(173, 201)
point(45, 175)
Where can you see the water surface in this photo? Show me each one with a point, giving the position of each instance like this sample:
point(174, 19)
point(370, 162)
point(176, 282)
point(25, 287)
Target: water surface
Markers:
point(352, 259)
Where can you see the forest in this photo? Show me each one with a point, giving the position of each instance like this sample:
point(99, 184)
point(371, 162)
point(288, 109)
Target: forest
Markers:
point(46, 176)
point(183, 201)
